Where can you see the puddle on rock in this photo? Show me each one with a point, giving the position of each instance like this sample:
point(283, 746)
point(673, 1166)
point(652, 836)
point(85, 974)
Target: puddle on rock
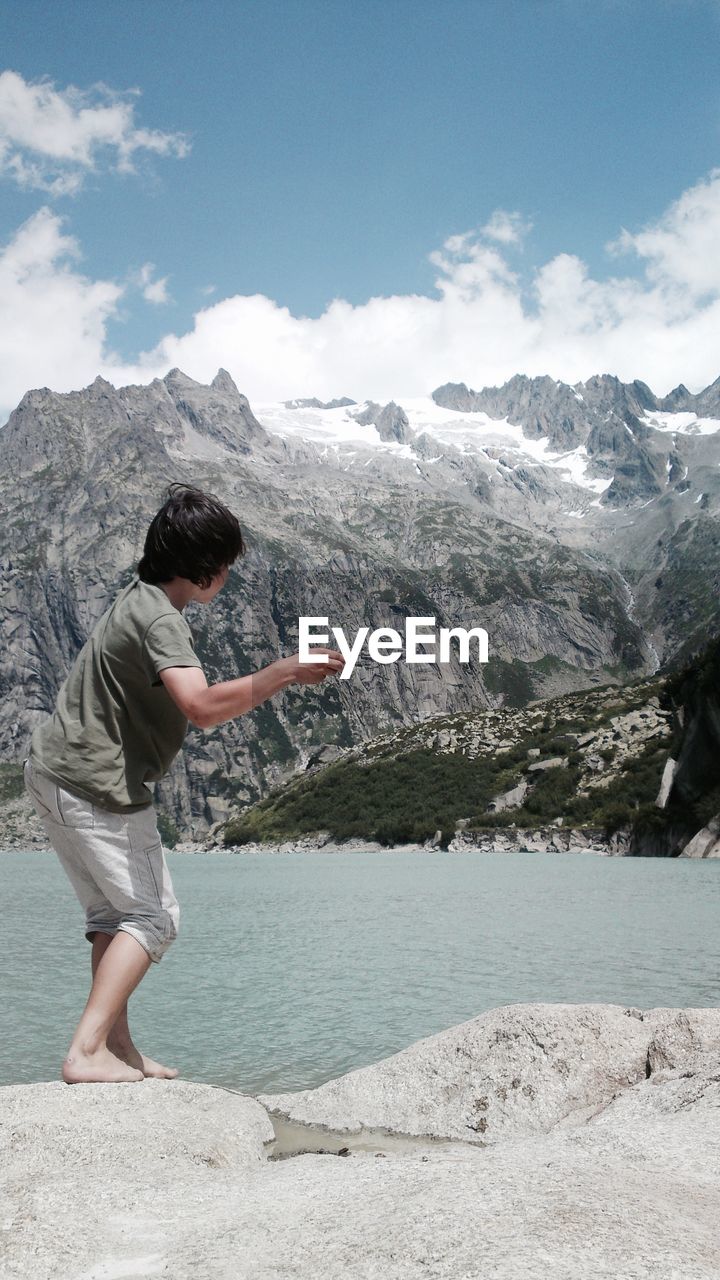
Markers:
point(295, 1139)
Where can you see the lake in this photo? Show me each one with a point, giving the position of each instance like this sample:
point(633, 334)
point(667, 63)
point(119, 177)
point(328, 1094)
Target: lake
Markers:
point(294, 968)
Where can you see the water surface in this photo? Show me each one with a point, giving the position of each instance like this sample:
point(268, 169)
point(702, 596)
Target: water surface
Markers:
point(294, 968)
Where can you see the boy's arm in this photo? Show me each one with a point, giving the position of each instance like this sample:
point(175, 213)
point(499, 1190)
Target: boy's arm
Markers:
point(206, 705)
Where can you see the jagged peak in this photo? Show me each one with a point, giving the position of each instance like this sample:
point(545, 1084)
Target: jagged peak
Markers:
point(517, 381)
point(34, 394)
point(461, 387)
point(178, 378)
point(524, 380)
point(600, 390)
point(224, 382)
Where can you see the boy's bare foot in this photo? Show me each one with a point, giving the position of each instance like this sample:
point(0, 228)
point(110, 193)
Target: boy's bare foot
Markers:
point(98, 1068)
point(134, 1058)
point(152, 1068)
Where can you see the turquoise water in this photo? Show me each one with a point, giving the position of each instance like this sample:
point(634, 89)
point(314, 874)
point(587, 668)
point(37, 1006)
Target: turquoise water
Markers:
point(294, 968)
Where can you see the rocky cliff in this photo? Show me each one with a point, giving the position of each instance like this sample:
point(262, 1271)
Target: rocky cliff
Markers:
point(690, 793)
point(654, 460)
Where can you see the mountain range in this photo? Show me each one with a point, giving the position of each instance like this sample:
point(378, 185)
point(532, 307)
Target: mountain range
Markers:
point(577, 524)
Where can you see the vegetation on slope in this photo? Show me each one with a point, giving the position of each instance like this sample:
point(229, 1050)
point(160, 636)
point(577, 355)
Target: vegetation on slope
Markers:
point(431, 776)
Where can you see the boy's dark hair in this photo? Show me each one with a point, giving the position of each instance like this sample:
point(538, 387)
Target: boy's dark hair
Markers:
point(193, 535)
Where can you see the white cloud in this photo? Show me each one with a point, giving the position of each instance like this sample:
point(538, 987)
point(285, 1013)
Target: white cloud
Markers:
point(52, 318)
point(50, 138)
point(154, 291)
point(682, 249)
point(484, 324)
point(507, 228)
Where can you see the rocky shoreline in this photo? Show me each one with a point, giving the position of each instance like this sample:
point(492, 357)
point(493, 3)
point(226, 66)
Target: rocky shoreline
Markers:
point(579, 1141)
point(495, 840)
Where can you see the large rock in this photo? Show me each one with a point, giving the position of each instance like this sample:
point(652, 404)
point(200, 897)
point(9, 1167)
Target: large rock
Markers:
point(514, 1071)
point(706, 843)
point(511, 799)
point(176, 1130)
point(605, 1173)
point(556, 762)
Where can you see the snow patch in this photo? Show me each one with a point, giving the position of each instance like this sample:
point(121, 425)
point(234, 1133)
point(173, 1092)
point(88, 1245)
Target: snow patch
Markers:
point(686, 423)
point(475, 433)
point(471, 434)
point(331, 427)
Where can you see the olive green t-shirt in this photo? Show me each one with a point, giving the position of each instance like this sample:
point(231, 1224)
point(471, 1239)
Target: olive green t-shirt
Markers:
point(115, 729)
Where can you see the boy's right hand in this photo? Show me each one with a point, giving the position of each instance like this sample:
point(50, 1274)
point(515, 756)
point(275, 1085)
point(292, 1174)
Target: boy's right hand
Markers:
point(314, 672)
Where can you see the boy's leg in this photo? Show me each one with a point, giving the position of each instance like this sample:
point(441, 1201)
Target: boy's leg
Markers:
point(118, 871)
point(119, 1039)
point(139, 881)
point(44, 795)
point(119, 971)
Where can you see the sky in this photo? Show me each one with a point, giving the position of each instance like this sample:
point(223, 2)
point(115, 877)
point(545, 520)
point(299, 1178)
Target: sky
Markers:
point(358, 197)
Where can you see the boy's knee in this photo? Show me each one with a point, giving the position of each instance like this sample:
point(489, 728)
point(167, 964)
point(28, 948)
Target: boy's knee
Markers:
point(154, 933)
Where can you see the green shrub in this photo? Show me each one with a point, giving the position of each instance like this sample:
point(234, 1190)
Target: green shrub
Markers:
point(12, 784)
point(391, 800)
point(169, 833)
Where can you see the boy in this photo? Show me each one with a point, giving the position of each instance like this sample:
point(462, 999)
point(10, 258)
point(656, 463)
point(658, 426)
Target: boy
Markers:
point(119, 721)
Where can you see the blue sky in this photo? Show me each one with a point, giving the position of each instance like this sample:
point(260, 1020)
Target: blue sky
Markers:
point(328, 148)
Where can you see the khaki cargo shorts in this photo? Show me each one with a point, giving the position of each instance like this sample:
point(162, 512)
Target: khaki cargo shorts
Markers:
point(115, 863)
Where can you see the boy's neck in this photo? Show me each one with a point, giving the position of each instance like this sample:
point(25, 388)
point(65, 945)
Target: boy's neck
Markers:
point(179, 591)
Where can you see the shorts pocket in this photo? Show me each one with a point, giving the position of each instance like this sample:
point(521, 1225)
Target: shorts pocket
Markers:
point(42, 808)
point(74, 811)
point(150, 869)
